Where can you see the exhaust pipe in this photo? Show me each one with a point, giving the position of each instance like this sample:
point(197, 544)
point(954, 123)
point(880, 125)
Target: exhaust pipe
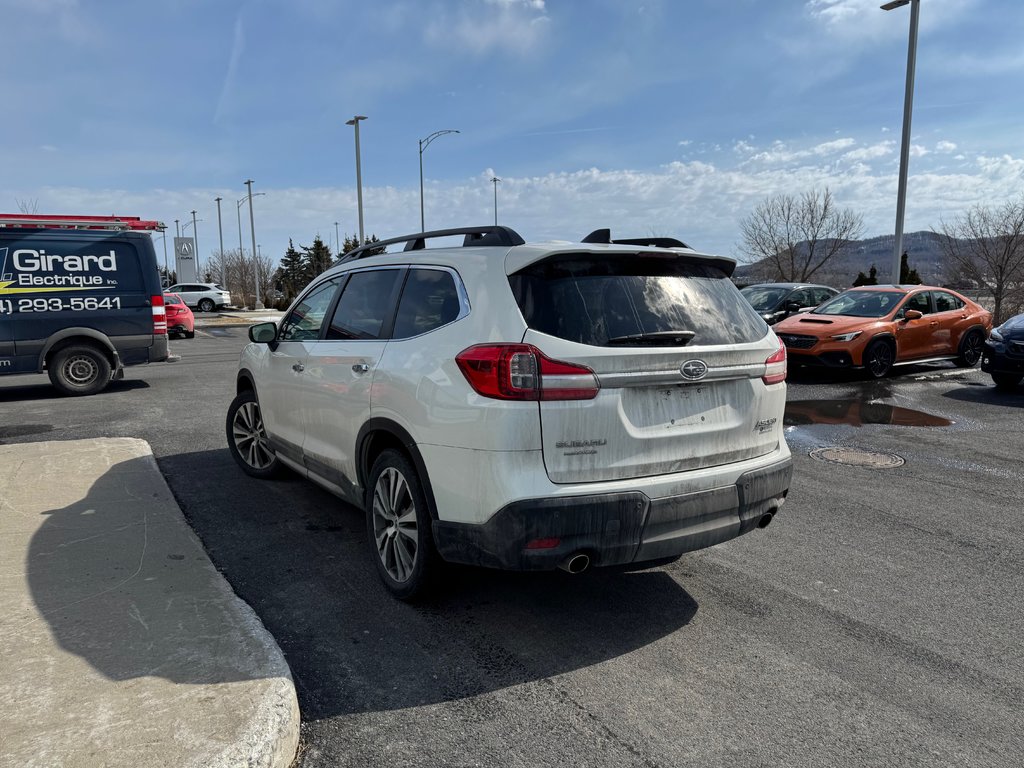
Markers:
point(577, 563)
point(766, 519)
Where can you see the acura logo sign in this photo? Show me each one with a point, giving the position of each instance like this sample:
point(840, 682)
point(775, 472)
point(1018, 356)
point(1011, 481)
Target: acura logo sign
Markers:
point(693, 370)
point(185, 249)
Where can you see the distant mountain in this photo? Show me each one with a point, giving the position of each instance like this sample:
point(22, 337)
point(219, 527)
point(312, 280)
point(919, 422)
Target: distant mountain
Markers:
point(923, 254)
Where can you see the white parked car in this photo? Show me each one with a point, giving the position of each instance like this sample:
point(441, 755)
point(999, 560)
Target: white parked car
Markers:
point(205, 297)
point(523, 406)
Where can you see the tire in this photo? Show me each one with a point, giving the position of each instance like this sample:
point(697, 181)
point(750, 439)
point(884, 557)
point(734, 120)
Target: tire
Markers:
point(879, 357)
point(80, 369)
point(247, 438)
point(1006, 382)
point(206, 305)
point(971, 346)
point(189, 334)
point(398, 527)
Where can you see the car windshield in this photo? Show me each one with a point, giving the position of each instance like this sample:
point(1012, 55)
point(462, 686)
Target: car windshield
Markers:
point(861, 304)
point(172, 300)
point(764, 297)
point(219, 287)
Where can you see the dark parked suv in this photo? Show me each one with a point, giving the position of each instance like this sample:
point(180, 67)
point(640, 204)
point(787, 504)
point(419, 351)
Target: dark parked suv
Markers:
point(80, 298)
point(1003, 355)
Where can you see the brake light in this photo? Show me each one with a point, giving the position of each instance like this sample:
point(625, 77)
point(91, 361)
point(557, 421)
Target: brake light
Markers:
point(775, 366)
point(523, 372)
point(159, 315)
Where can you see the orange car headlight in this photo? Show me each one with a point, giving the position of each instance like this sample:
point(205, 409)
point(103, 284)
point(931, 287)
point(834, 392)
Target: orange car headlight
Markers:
point(846, 336)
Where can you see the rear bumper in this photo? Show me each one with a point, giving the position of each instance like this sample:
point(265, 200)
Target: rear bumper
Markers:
point(615, 528)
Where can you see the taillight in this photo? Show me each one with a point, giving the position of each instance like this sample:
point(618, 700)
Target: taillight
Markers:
point(159, 315)
point(775, 366)
point(523, 372)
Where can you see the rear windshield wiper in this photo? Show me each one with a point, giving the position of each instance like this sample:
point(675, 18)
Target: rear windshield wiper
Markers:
point(658, 339)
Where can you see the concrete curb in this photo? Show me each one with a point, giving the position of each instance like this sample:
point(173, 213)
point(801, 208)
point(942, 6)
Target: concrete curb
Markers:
point(126, 646)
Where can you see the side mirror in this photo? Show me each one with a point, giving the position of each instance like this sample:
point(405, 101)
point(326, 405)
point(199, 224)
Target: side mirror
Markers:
point(912, 314)
point(792, 306)
point(263, 333)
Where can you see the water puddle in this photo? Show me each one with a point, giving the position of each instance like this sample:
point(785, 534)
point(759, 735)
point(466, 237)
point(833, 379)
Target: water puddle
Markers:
point(854, 413)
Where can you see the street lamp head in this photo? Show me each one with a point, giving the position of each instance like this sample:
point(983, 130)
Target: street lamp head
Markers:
point(895, 4)
point(355, 119)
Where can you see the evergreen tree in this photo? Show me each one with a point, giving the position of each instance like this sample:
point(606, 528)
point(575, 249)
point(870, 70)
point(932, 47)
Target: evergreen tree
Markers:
point(315, 258)
point(870, 279)
point(291, 273)
point(351, 242)
point(908, 276)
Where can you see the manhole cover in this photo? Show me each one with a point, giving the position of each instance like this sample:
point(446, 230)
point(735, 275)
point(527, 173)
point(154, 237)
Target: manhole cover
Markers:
point(855, 457)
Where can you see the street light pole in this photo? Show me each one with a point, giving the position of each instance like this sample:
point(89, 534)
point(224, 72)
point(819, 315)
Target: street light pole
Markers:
point(495, 180)
point(220, 234)
point(337, 240)
point(195, 235)
point(177, 229)
point(359, 175)
point(257, 304)
point(424, 143)
point(908, 102)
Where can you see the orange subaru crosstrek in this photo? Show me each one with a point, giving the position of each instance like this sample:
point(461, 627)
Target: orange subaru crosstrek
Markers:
point(877, 327)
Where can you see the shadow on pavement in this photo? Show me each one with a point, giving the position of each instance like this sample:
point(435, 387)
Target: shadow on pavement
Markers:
point(45, 391)
point(988, 395)
point(299, 557)
point(122, 583)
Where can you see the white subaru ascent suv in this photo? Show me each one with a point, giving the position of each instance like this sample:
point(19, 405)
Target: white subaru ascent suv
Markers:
point(522, 406)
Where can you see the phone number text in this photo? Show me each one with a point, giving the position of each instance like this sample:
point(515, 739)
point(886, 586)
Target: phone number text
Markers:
point(77, 304)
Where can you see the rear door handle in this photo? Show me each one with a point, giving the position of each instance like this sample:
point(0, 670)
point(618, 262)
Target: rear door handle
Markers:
point(360, 368)
point(298, 367)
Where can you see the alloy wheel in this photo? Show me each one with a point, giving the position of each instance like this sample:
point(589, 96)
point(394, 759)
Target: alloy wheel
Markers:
point(250, 437)
point(394, 524)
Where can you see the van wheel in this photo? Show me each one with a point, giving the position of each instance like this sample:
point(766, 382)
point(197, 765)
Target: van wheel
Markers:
point(207, 305)
point(398, 527)
point(247, 437)
point(79, 370)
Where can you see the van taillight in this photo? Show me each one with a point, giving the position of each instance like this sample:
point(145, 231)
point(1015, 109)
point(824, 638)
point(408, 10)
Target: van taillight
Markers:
point(775, 366)
point(159, 315)
point(523, 372)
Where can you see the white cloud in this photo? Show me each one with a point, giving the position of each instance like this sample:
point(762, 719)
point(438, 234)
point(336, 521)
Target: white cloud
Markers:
point(861, 23)
point(872, 152)
point(700, 202)
point(515, 26)
point(945, 147)
point(916, 150)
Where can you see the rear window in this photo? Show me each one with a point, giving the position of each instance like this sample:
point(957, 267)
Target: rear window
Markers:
point(634, 301)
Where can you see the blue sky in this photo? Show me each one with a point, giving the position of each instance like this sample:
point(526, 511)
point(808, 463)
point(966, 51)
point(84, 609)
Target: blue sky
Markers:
point(651, 117)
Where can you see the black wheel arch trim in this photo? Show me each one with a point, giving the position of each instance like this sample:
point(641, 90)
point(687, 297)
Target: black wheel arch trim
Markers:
point(245, 380)
point(381, 424)
point(68, 336)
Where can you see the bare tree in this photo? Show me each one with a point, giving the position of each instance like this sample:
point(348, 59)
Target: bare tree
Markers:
point(795, 236)
point(238, 274)
point(27, 205)
point(985, 245)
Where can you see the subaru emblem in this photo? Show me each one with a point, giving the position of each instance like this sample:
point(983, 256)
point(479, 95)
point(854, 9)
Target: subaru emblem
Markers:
point(693, 370)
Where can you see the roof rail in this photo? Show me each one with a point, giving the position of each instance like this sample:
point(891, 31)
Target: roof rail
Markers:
point(474, 236)
point(605, 236)
point(40, 221)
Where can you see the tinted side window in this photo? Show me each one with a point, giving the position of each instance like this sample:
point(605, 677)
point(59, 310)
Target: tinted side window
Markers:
point(919, 301)
point(429, 300)
point(803, 298)
point(946, 302)
point(365, 305)
point(821, 295)
point(305, 321)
